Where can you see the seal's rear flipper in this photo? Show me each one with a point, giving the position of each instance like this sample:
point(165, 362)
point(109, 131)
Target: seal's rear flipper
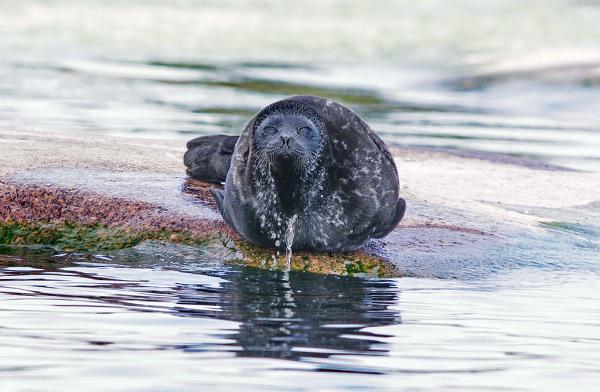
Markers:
point(218, 195)
point(208, 157)
point(390, 223)
point(228, 145)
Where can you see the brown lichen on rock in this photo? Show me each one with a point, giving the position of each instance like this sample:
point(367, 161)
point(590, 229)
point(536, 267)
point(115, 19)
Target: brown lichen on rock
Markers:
point(79, 221)
point(201, 191)
point(25, 203)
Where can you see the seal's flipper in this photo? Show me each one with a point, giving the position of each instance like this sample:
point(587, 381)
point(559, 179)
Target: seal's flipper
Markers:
point(229, 145)
point(390, 223)
point(208, 157)
point(218, 195)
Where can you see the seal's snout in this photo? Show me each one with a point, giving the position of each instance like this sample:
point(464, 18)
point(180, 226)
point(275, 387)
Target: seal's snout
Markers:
point(285, 141)
point(287, 146)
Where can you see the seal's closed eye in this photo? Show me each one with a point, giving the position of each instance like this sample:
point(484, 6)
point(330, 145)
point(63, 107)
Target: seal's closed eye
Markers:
point(305, 131)
point(269, 131)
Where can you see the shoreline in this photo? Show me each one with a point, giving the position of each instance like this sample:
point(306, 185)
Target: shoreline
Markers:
point(460, 206)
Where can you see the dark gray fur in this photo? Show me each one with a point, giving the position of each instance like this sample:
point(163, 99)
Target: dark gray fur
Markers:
point(208, 157)
point(341, 183)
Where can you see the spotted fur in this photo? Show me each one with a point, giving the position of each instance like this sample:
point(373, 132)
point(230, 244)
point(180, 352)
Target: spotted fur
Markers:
point(342, 187)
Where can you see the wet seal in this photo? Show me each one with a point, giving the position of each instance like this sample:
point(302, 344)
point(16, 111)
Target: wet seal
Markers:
point(309, 171)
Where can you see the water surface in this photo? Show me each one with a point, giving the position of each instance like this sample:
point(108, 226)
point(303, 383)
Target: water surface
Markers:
point(510, 77)
point(150, 319)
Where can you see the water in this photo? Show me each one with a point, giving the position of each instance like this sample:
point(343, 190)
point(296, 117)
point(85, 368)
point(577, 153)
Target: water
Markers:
point(151, 320)
point(510, 77)
point(514, 77)
point(290, 233)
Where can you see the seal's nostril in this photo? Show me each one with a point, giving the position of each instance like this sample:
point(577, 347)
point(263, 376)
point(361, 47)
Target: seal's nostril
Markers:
point(285, 141)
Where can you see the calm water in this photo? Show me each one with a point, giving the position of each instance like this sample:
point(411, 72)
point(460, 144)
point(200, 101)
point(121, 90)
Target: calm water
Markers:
point(501, 76)
point(160, 318)
point(514, 77)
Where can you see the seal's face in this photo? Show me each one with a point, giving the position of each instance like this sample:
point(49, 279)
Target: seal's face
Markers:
point(287, 140)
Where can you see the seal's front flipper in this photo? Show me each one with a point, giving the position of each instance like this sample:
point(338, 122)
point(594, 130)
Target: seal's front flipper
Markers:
point(218, 195)
point(400, 210)
point(392, 221)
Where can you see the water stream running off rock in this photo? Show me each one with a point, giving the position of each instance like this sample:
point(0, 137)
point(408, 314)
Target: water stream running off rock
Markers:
point(290, 232)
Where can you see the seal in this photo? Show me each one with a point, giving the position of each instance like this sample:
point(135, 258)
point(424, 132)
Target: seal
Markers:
point(308, 173)
point(208, 157)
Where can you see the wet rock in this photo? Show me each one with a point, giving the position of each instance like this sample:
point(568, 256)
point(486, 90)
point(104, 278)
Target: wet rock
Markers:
point(466, 216)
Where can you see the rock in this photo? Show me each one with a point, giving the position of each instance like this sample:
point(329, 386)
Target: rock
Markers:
point(467, 215)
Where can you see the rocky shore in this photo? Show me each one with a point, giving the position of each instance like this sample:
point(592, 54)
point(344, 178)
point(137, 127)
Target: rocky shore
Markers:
point(466, 212)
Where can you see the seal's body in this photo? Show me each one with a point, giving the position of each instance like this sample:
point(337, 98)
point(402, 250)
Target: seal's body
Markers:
point(309, 174)
point(208, 157)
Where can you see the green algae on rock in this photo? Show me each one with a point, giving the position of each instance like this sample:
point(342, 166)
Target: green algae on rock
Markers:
point(575, 228)
point(92, 238)
point(355, 263)
point(72, 237)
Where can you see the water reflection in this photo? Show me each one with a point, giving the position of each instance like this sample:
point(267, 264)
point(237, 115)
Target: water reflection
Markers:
point(284, 315)
point(293, 315)
point(172, 319)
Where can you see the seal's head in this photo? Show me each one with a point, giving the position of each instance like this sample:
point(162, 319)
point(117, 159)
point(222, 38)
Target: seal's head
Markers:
point(289, 136)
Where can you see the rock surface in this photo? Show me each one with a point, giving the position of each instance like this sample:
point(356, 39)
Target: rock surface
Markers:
point(467, 214)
